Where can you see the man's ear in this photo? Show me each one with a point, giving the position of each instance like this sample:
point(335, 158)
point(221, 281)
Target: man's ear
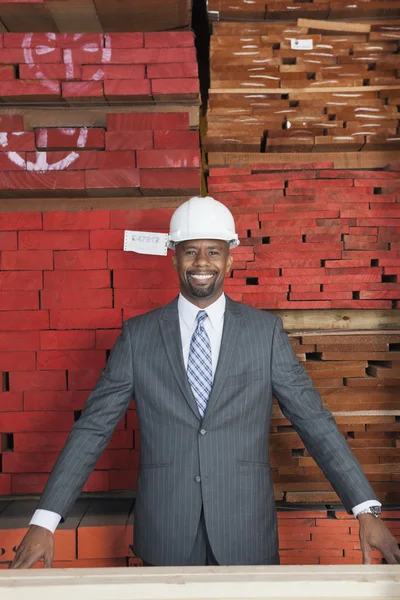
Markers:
point(174, 261)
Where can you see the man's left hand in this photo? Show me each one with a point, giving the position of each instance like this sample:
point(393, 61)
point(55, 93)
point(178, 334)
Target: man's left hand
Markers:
point(374, 535)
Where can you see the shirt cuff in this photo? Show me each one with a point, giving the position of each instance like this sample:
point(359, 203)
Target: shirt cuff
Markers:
point(357, 509)
point(46, 518)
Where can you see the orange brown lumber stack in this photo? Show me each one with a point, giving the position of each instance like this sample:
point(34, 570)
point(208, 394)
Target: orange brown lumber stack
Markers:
point(277, 87)
point(310, 9)
point(358, 377)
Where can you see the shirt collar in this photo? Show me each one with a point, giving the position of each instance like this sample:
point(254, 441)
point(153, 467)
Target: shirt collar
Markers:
point(188, 311)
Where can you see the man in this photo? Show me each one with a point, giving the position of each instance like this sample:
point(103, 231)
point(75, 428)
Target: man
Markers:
point(203, 370)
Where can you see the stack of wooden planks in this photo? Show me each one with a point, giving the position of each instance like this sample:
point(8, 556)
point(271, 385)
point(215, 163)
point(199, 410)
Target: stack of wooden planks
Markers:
point(313, 86)
point(358, 377)
point(98, 68)
point(91, 16)
point(313, 237)
point(136, 154)
point(97, 147)
point(313, 9)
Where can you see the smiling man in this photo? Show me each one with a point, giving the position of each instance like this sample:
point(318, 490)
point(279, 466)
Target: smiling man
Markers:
point(203, 371)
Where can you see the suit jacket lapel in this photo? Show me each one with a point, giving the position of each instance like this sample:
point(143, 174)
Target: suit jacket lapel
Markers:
point(233, 322)
point(171, 335)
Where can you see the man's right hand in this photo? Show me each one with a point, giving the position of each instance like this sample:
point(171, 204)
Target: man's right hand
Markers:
point(37, 544)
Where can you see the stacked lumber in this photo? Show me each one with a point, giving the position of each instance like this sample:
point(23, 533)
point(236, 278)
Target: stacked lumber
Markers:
point(358, 377)
point(310, 9)
point(93, 16)
point(313, 237)
point(99, 533)
point(67, 285)
point(148, 154)
point(98, 68)
point(311, 87)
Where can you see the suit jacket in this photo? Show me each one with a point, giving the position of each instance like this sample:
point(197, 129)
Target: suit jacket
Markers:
point(220, 462)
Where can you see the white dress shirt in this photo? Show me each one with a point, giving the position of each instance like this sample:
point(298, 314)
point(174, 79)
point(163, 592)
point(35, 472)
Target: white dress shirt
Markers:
point(187, 321)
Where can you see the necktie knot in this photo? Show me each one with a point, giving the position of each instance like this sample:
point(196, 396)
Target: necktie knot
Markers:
point(201, 317)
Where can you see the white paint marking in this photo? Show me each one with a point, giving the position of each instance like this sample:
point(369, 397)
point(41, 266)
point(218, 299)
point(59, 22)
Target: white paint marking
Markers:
point(82, 139)
point(106, 55)
point(44, 50)
point(68, 130)
point(41, 163)
point(91, 47)
point(42, 138)
point(69, 71)
point(3, 138)
point(98, 75)
point(17, 159)
point(26, 45)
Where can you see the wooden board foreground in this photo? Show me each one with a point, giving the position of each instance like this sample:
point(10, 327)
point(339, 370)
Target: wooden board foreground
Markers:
point(198, 583)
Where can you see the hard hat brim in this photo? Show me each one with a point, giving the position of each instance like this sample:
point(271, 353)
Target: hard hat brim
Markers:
point(233, 242)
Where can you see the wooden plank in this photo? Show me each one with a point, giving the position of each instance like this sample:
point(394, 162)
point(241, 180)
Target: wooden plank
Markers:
point(303, 320)
point(340, 160)
point(356, 337)
point(317, 25)
point(211, 583)
point(26, 16)
point(305, 90)
point(91, 117)
point(74, 204)
point(71, 16)
point(153, 15)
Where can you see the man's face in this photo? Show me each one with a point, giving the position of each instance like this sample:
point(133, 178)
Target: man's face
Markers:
point(202, 266)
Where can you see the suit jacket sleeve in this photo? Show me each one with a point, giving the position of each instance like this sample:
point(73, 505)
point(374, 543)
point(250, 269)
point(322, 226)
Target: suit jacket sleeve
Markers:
point(302, 406)
point(103, 410)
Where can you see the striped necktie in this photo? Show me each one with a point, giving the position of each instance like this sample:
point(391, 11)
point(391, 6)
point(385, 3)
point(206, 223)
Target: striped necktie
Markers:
point(199, 369)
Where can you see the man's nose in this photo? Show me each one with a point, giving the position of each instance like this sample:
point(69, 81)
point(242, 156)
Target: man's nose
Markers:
point(202, 258)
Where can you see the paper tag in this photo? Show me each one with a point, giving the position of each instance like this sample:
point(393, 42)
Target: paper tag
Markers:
point(301, 44)
point(145, 242)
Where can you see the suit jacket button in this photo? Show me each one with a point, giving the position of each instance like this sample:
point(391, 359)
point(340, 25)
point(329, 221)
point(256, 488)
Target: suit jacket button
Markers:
point(203, 432)
point(197, 479)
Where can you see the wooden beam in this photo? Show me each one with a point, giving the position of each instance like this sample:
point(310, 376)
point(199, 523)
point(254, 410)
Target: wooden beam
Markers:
point(92, 117)
point(153, 15)
point(313, 24)
point(71, 16)
point(74, 204)
point(198, 583)
point(304, 90)
point(305, 320)
point(340, 160)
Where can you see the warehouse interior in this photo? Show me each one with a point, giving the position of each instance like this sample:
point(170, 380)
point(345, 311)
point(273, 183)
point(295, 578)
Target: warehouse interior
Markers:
point(112, 114)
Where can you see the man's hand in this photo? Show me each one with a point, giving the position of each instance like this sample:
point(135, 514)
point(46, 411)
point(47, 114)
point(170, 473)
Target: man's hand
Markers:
point(38, 543)
point(374, 535)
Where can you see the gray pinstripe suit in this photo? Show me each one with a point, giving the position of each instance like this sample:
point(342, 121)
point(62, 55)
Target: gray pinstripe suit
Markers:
point(230, 454)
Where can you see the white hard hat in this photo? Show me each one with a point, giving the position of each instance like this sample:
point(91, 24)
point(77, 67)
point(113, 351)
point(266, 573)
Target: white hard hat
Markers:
point(202, 219)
